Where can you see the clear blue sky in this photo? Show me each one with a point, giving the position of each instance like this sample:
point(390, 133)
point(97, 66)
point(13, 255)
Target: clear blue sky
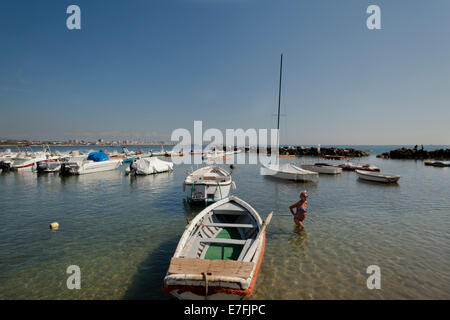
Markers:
point(143, 68)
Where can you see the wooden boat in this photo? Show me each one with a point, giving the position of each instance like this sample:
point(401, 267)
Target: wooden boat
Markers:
point(377, 177)
point(219, 253)
point(322, 168)
point(208, 184)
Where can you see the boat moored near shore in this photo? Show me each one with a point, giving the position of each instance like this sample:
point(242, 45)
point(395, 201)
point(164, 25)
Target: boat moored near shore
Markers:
point(208, 184)
point(377, 176)
point(95, 162)
point(150, 165)
point(322, 168)
point(219, 254)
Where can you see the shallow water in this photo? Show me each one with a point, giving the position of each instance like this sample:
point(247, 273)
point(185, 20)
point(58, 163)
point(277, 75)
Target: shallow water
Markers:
point(122, 231)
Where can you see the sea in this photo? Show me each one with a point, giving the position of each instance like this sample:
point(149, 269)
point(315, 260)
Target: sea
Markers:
point(121, 231)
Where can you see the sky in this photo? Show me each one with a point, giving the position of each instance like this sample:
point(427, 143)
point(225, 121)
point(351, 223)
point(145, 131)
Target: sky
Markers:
point(139, 69)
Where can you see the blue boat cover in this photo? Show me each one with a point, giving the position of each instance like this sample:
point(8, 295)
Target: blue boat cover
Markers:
point(98, 156)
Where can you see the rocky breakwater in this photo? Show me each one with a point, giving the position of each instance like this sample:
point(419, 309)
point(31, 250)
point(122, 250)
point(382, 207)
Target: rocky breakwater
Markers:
point(415, 153)
point(314, 152)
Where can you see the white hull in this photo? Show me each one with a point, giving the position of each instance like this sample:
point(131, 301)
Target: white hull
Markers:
point(377, 177)
point(89, 166)
point(322, 169)
point(288, 172)
point(207, 193)
point(148, 166)
point(27, 164)
point(208, 184)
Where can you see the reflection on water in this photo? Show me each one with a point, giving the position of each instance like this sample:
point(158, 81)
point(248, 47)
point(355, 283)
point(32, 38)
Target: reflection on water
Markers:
point(122, 231)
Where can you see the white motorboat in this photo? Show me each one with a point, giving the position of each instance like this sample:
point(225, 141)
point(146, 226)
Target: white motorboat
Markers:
point(208, 184)
point(149, 165)
point(377, 176)
point(288, 171)
point(322, 168)
point(7, 155)
point(6, 159)
point(95, 162)
point(49, 165)
point(219, 254)
point(27, 161)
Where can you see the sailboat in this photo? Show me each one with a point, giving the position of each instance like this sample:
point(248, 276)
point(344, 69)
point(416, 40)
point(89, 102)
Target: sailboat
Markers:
point(287, 171)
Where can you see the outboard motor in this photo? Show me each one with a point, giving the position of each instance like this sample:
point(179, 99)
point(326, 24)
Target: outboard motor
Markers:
point(5, 165)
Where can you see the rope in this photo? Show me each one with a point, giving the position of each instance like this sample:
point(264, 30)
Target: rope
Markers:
point(206, 284)
point(192, 189)
point(220, 190)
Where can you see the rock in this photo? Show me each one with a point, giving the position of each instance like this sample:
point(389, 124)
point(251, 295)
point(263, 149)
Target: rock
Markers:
point(404, 153)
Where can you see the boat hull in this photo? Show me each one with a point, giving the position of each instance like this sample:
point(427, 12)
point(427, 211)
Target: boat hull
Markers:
point(207, 193)
point(369, 176)
point(297, 175)
point(24, 165)
point(149, 166)
point(89, 166)
point(195, 273)
point(322, 169)
point(192, 292)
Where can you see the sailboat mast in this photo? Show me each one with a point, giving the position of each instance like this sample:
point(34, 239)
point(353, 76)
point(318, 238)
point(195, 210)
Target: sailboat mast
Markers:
point(279, 91)
point(279, 102)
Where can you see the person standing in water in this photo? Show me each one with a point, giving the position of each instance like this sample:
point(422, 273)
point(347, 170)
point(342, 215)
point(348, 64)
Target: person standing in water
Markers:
point(302, 207)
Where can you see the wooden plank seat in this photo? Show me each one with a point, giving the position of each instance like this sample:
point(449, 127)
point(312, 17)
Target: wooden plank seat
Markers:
point(224, 241)
point(229, 212)
point(228, 268)
point(230, 225)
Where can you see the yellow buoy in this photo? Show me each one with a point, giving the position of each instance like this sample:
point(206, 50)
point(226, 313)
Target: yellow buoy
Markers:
point(54, 225)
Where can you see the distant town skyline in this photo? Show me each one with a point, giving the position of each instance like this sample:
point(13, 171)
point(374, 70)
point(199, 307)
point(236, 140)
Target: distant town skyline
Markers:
point(140, 69)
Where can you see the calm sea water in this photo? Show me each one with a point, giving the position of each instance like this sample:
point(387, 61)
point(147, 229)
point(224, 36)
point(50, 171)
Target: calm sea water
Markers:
point(122, 231)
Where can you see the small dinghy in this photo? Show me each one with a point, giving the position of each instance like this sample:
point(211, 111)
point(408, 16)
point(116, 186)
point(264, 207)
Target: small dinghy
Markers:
point(219, 253)
point(145, 166)
point(438, 163)
point(288, 171)
point(208, 184)
point(322, 168)
point(377, 176)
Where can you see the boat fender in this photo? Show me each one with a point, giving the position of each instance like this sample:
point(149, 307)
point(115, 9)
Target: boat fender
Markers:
point(232, 166)
point(54, 225)
point(234, 185)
